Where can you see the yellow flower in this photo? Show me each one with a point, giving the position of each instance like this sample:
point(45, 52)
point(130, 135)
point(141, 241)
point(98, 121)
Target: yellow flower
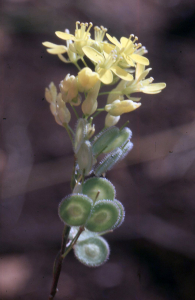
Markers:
point(118, 107)
point(98, 43)
point(61, 49)
point(106, 65)
point(140, 84)
point(81, 37)
point(87, 79)
point(55, 49)
point(90, 104)
point(127, 49)
point(69, 90)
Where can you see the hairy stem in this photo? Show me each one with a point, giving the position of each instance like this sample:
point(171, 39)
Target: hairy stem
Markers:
point(58, 263)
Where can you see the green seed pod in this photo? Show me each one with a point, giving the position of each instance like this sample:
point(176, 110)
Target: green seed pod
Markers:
point(77, 189)
point(99, 189)
point(125, 149)
point(83, 236)
point(85, 158)
point(108, 162)
point(79, 134)
point(103, 139)
point(122, 214)
point(104, 216)
point(92, 252)
point(119, 140)
point(75, 209)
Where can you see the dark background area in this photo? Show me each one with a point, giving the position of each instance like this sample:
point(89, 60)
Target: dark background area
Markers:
point(153, 252)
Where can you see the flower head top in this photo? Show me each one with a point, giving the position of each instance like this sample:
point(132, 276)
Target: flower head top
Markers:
point(81, 37)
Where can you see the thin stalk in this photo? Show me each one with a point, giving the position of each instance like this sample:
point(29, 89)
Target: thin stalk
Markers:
point(68, 131)
point(106, 93)
point(76, 114)
point(58, 267)
point(96, 114)
point(77, 66)
point(84, 62)
point(81, 229)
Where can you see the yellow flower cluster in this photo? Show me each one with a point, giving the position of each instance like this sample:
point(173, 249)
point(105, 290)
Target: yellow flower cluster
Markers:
point(113, 60)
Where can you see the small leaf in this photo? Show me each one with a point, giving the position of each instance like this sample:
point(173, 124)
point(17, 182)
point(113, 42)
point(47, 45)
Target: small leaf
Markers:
point(104, 216)
point(75, 209)
point(99, 189)
point(92, 252)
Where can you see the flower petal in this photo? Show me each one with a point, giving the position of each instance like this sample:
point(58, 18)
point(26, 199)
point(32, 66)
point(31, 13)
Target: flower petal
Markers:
point(121, 73)
point(124, 41)
point(140, 59)
point(57, 50)
point(143, 74)
point(153, 88)
point(107, 47)
point(113, 40)
point(128, 60)
point(50, 45)
point(105, 75)
point(65, 36)
point(93, 54)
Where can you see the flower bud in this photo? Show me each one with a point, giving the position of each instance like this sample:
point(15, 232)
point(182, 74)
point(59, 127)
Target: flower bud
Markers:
point(85, 157)
point(87, 79)
point(111, 120)
point(118, 107)
point(51, 93)
point(89, 105)
point(90, 130)
point(62, 112)
point(69, 90)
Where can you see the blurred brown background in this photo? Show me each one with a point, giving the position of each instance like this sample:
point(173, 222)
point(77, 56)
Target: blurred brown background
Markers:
point(153, 252)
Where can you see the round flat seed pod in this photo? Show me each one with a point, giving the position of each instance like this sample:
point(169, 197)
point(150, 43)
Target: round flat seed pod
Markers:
point(104, 139)
point(122, 137)
point(74, 209)
point(83, 236)
point(122, 214)
point(79, 134)
point(104, 216)
point(92, 252)
point(108, 162)
point(85, 157)
point(99, 189)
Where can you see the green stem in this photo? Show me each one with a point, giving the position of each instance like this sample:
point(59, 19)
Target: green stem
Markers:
point(96, 114)
point(106, 93)
point(84, 62)
point(124, 125)
point(58, 267)
point(76, 114)
point(101, 109)
point(77, 66)
point(66, 126)
point(81, 229)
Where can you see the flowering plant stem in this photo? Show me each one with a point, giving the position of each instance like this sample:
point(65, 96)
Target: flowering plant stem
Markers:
point(58, 262)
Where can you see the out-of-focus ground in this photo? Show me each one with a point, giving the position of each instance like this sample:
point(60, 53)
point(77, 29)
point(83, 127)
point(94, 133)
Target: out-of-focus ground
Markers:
point(153, 252)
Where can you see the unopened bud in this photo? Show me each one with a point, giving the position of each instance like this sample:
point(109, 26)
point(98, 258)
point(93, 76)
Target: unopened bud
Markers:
point(69, 90)
point(89, 105)
point(87, 79)
point(111, 120)
point(118, 107)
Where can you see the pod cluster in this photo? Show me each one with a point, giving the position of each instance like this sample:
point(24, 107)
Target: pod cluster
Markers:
point(112, 142)
point(95, 208)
